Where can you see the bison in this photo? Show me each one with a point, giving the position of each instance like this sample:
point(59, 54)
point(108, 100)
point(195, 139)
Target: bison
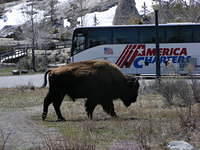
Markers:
point(100, 82)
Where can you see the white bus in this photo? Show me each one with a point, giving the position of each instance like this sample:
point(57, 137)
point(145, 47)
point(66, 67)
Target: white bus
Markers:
point(132, 48)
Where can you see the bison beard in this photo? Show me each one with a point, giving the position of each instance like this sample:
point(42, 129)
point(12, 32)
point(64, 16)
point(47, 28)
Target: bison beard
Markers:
point(100, 82)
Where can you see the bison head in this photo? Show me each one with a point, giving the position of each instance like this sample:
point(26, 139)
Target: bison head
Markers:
point(131, 92)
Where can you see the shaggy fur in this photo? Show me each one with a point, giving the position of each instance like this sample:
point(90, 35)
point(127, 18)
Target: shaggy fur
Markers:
point(99, 81)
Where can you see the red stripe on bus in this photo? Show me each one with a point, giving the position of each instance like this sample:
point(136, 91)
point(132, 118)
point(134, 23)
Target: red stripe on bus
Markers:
point(124, 55)
point(120, 57)
point(132, 58)
point(125, 59)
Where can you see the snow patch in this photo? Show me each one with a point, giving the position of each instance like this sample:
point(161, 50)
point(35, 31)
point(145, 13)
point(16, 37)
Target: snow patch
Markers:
point(103, 18)
point(16, 15)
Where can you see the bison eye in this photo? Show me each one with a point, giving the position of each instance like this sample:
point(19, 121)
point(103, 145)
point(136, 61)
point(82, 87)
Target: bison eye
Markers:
point(133, 83)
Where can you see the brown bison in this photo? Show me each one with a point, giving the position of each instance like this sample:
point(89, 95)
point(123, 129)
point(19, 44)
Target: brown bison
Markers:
point(99, 81)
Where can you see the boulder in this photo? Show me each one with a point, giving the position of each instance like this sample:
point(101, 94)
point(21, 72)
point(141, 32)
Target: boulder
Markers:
point(126, 13)
point(179, 145)
point(15, 72)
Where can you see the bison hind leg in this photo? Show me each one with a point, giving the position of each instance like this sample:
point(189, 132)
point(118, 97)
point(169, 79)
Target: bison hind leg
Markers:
point(89, 107)
point(57, 103)
point(47, 101)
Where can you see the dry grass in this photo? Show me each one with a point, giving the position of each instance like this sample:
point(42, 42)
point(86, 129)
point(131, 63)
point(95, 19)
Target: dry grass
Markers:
point(6, 71)
point(4, 137)
point(148, 123)
point(21, 97)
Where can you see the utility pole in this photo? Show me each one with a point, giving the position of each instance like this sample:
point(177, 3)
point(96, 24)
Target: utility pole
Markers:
point(157, 45)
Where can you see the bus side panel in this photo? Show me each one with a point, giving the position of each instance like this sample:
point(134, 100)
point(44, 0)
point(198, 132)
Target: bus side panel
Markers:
point(181, 58)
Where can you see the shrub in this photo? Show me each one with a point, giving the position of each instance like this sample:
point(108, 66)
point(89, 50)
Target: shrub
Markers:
point(195, 85)
point(26, 63)
point(184, 92)
point(41, 64)
point(177, 91)
point(61, 143)
point(66, 36)
point(167, 88)
point(4, 139)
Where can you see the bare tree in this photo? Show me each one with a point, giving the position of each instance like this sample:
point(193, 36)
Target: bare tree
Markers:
point(32, 14)
point(179, 11)
point(52, 11)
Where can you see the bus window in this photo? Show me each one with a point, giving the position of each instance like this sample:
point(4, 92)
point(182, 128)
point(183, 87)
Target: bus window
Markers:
point(125, 36)
point(185, 34)
point(78, 43)
point(196, 34)
point(172, 34)
point(162, 35)
point(179, 34)
point(147, 35)
point(99, 37)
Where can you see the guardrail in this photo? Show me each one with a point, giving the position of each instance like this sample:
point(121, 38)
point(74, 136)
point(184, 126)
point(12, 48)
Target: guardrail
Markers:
point(12, 55)
point(169, 76)
point(19, 51)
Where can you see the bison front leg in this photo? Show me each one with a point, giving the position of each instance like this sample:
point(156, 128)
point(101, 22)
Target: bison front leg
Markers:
point(47, 102)
point(108, 107)
point(89, 107)
point(57, 103)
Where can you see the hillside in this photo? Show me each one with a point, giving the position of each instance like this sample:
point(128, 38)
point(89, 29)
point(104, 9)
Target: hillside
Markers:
point(57, 18)
point(49, 18)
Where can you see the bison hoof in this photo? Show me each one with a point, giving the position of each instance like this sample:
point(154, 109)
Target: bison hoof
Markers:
point(44, 115)
point(60, 120)
point(115, 117)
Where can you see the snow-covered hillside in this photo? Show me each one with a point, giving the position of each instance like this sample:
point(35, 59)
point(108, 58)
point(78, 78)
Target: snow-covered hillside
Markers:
point(15, 15)
point(103, 18)
point(106, 18)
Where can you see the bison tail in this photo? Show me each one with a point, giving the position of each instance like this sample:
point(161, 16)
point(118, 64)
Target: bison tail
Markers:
point(45, 79)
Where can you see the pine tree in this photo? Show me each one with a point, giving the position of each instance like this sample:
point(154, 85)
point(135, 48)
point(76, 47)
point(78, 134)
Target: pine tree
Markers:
point(144, 10)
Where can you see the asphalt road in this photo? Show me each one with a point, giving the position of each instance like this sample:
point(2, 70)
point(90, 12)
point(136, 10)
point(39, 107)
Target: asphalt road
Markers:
point(38, 79)
point(21, 80)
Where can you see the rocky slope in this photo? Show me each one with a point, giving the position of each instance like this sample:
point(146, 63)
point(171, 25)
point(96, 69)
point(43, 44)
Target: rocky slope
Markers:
point(126, 13)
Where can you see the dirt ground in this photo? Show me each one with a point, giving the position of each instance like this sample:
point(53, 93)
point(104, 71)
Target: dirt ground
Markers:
point(19, 131)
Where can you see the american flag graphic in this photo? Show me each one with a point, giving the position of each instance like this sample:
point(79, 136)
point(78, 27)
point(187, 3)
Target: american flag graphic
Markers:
point(108, 51)
point(128, 55)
